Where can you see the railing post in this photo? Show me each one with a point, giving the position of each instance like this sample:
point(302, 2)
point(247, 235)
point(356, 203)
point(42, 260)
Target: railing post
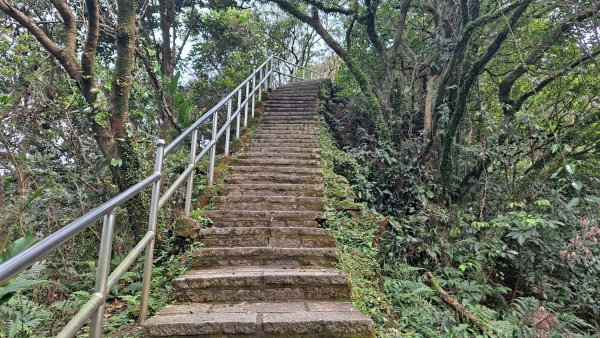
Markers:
point(260, 78)
point(270, 64)
point(253, 91)
point(152, 219)
point(190, 182)
point(246, 108)
point(239, 112)
point(103, 270)
point(228, 130)
point(266, 74)
point(213, 150)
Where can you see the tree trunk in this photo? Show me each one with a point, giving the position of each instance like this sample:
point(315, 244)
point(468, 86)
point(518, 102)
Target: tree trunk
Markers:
point(129, 172)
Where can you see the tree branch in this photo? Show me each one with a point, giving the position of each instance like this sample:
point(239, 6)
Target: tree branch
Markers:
point(507, 83)
point(88, 80)
point(65, 59)
point(70, 23)
point(329, 9)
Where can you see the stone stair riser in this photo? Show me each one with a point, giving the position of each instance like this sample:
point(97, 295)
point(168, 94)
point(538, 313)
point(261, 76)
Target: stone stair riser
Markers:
point(304, 241)
point(320, 292)
point(250, 215)
point(264, 224)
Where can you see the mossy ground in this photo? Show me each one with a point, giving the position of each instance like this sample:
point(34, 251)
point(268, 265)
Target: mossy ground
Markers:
point(355, 228)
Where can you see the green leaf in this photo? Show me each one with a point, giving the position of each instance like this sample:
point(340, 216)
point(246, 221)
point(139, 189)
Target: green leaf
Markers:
point(577, 185)
point(573, 202)
point(554, 148)
point(17, 247)
point(116, 162)
point(570, 168)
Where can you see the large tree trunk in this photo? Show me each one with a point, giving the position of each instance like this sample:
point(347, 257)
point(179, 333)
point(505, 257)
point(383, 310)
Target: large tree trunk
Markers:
point(129, 172)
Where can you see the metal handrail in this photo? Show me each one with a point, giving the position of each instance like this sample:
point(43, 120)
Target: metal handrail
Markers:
point(295, 68)
point(105, 280)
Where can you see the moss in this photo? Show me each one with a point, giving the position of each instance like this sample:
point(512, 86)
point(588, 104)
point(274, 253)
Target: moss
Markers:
point(186, 227)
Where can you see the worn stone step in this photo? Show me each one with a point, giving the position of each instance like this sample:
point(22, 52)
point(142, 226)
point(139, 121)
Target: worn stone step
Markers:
point(297, 141)
point(283, 237)
point(264, 256)
point(269, 147)
point(276, 110)
point(254, 215)
point(292, 319)
point(309, 118)
point(313, 86)
point(267, 135)
point(291, 120)
point(264, 224)
point(273, 178)
point(298, 124)
point(290, 115)
point(306, 97)
point(291, 100)
point(276, 203)
point(290, 128)
point(282, 149)
point(281, 154)
point(283, 146)
point(280, 143)
point(278, 161)
point(290, 131)
point(259, 284)
point(283, 104)
point(276, 169)
point(272, 189)
point(296, 90)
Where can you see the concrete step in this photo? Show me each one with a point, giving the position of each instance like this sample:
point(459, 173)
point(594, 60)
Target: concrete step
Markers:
point(281, 154)
point(253, 215)
point(273, 189)
point(286, 149)
point(280, 143)
point(273, 178)
point(264, 224)
point(280, 162)
point(313, 118)
point(282, 104)
point(290, 121)
point(274, 144)
point(282, 237)
point(291, 100)
point(292, 319)
point(269, 135)
point(293, 109)
point(290, 130)
point(296, 90)
point(298, 141)
point(263, 256)
point(289, 96)
point(276, 169)
point(271, 203)
point(297, 123)
point(260, 284)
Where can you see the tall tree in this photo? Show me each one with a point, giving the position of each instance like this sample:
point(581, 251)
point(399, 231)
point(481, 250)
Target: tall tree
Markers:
point(109, 117)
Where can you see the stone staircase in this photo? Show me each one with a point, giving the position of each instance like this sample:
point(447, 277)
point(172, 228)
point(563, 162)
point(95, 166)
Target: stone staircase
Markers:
point(267, 268)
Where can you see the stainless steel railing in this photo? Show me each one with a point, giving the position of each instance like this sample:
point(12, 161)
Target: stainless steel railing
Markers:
point(245, 96)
